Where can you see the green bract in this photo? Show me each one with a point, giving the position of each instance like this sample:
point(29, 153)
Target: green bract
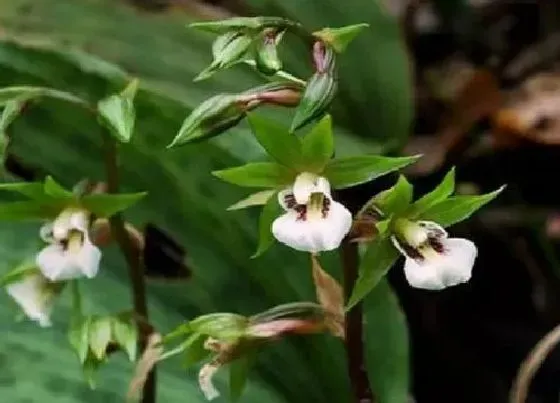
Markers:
point(437, 206)
point(339, 38)
point(49, 198)
point(118, 114)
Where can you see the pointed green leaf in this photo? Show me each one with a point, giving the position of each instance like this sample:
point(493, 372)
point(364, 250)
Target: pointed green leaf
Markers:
point(117, 112)
point(255, 199)
point(125, 334)
point(78, 336)
point(17, 274)
point(33, 190)
point(238, 372)
point(221, 326)
point(12, 109)
point(100, 335)
point(318, 145)
point(395, 199)
point(386, 339)
point(339, 38)
point(257, 174)
point(440, 193)
point(457, 208)
point(9, 93)
point(54, 189)
point(228, 50)
point(278, 142)
point(242, 23)
point(269, 213)
point(350, 171)
point(380, 255)
point(106, 205)
point(30, 210)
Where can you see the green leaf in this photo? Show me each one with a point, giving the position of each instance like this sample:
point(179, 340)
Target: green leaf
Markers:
point(194, 348)
point(78, 336)
point(10, 93)
point(394, 200)
point(54, 189)
point(255, 199)
point(269, 213)
point(30, 210)
point(125, 334)
point(12, 109)
point(257, 174)
point(457, 208)
point(221, 326)
point(241, 23)
point(238, 372)
point(100, 336)
point(17, 274)
point(318, 145)
point(350, 171)
point(106, 205)
point(387, 351)
point(278, 142)
point(380, 255)
point(117, 112)
point(211, 118)
point(440, 193)
point(33, 190)
point(339, 38)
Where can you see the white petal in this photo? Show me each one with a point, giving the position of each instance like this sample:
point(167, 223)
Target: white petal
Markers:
point(282, 195)
point(88, 258)
point(313, 235)
point(46, 232)
point(205, 376)
point(34, 298)
point(306, 184)
point(434, 229)
point(438, 271)
point(67, 220)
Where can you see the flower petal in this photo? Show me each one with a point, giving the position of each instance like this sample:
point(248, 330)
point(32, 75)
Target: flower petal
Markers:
point(306, 184)
point(46, 232)
point(313, 235)
point(34, 298)
point(88, 258)
point(70, 219)
point(284, 196)
point(205, 376)
point(56, 265)
point(438, 271)
point(434, 229)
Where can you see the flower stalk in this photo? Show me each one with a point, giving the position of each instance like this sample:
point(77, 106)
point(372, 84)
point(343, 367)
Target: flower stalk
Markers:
point(133, 261)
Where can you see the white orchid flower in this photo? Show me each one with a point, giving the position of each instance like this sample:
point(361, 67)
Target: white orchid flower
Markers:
point(71, 254)
point(313, 221)
point(35, 295)
point(433, 261)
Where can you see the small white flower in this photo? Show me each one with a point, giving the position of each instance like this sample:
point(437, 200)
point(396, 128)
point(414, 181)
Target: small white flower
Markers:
point(434, 261)
point(71, 254)
point(35, 295)
point(313, 221)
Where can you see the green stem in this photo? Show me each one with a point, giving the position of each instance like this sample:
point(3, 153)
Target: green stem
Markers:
point(354, 329)
point(133, 260)
point(281, 73)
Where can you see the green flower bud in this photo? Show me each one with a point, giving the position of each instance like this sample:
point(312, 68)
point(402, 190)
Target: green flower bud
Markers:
point(266, 53)
point(284, 93)
point(320, 89)
point(339, 38)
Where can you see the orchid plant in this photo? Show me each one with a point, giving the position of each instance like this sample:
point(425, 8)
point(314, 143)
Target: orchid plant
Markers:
point(299, 191)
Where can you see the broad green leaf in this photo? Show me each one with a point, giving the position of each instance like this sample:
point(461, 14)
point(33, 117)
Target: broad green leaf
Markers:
point(195, 351)
point(394, 200)
point(12, 109)
point(255, 199)
point(380, 255)
point(106, 205)
point(457, 208)
point(221, 326)
point(125, 334)
point(100, 334)
point(278, 142)
point(238, 372)
point(33, 190)
point(30, 210)
point(18, 273)
point(387, 351)
point(257, 174)
point(350, 171)
point(440, 193)
point(117, 112)
point(318, 145)
point(78, 336)
point(339, 38)
point(269, 213)
point(54, 189)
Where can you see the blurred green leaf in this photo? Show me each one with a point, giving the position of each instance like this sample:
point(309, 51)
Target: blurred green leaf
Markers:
point(221, 326)
point(31, 210)
point(125, 334)
point(106, 205)
point(257, 174)
point(17, 274)
point(318, 145)
point(255, 199)
point(240, 23)
point(117, 112)
point(386, 335)
point(78, 336)
point(33, 190)
point(350, 171)
point(440, 193)
point(194, 349)
point(238, 372)
point(278, 142)
point(53, 189)
point(12, 109)
point(100, 334)
point(10, 93)
point(457, 208)
point(270, 211)
point(380, 255)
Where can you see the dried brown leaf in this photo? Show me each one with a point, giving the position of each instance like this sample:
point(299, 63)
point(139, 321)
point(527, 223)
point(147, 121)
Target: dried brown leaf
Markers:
point(331, 297)
point(147, 362)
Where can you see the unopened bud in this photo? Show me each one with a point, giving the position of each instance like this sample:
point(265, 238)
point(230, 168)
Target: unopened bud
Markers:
point(339, 38)
point(228, 50)
point(266, 53)
point(320, 89)
point(278, 93)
